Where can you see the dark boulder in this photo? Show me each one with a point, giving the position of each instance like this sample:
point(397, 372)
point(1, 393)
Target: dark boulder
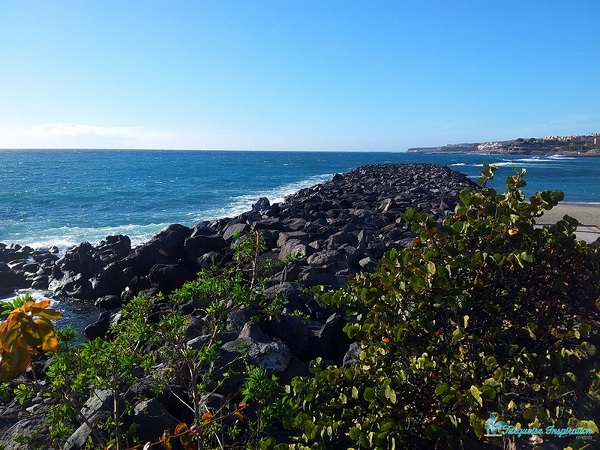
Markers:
point(98, 407)
point(108, 302)
point(329, 341)
point(136, 285)
point(262, 204)
point(321, 277)
point(168, 277)
point(195, 247)
point(12, 427)
point(11, 279)
point(114, 248)
point(73, 285)
point(273, 356)
point(295, 249)
point(271, 223)
point(152, 418)
point(44, 256)
point(211, 259)
point(40, 283)
point(235, 228)
point(293, 331)
point(99, 328)
point(82, 259)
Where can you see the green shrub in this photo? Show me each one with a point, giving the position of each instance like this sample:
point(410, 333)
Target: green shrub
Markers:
point(150, 341)
point(485, 314)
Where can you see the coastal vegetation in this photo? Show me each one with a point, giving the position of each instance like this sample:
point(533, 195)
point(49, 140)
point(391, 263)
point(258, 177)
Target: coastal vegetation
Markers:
point(484, 315)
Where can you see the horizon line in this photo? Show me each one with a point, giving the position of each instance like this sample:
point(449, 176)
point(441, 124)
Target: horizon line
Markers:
point(191, 150)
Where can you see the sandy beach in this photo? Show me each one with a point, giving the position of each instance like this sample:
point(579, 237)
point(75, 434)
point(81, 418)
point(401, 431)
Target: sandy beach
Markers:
point(586, 214)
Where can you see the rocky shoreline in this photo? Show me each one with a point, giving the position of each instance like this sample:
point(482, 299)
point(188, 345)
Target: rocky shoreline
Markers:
point(322, 235)
point(335, 229)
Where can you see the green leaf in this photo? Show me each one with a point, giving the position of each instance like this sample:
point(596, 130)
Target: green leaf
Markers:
point(529, 413)
point(465, 197)
point(387, 425)
point(459, 226)
point(23, 392)
point(390, 394)
point(355, 433)
point(587, 348)
point(584, 329)
point(369, 394)
point(442, 388)
point(431, 268)
point(476, 394)
point(477, 425)
point(527, 257)
point(457, 335)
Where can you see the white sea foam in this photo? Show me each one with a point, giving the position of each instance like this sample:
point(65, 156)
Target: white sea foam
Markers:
point(535, 159)
point(243, 203)
point(519, 162)
point(37, 295)
point(65, 237)
point(561, 157)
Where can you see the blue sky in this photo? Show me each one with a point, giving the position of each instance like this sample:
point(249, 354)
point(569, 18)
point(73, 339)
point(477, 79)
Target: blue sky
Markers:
point(295, 74)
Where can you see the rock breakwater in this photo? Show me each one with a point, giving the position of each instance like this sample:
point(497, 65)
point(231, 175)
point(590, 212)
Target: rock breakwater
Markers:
point(330, 231)
point(322, 235)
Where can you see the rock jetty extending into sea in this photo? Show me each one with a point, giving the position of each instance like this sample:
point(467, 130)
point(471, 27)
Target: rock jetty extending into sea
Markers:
point(334, 230)
point(322, 235)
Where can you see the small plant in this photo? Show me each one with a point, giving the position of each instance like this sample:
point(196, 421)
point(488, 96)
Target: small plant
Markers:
point(151, 339)
point(293, 257)
point(9, 305)
point(246, 250)
point(263, 390)
point(27, 330)
point(300, 315)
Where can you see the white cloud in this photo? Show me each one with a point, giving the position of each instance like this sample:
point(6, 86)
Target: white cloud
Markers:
point(76, 135)
point(65, 135)
point(62, 130)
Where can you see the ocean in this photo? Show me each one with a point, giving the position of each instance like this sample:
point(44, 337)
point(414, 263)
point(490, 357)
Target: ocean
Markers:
point(65, 197)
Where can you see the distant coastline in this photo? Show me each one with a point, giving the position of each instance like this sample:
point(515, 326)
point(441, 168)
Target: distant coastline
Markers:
point(577, 145)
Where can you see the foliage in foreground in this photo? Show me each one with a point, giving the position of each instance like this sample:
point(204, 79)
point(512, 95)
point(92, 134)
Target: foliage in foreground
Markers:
point(150, 346)
point(27, 330)
point(486, 314)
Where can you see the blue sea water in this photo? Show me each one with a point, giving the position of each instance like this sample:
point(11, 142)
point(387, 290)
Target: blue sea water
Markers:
point(64, 197)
